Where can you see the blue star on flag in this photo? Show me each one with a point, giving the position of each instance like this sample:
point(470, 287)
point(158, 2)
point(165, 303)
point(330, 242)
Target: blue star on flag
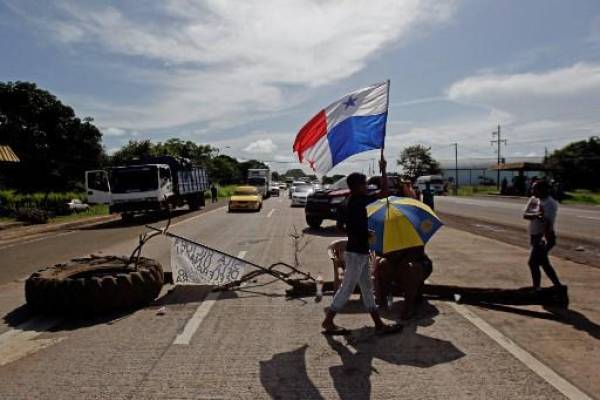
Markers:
point(350, 102)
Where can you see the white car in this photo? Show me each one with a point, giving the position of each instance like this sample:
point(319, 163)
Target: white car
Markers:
point(274, 189)
point(301, 193)
point(77, 205)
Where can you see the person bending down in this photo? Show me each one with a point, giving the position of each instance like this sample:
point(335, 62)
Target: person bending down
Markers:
point(357, 255)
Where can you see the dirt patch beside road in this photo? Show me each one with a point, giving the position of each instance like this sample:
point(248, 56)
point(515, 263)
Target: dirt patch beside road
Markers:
point(575, 249)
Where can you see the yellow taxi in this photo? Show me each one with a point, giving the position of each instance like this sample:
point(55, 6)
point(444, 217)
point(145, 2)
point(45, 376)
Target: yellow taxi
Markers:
point(245, 198)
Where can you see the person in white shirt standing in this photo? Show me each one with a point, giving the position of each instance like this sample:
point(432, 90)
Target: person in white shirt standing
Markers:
point(541, 212)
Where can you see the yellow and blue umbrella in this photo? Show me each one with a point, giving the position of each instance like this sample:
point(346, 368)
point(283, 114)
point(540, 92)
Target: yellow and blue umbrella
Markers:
point(400, 223)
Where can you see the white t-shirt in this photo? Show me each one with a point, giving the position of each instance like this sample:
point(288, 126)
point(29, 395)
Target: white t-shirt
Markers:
point(547, 207)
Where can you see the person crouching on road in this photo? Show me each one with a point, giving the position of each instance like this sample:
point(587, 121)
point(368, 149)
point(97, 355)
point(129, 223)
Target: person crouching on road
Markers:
point(356, 255)
point(541, 212)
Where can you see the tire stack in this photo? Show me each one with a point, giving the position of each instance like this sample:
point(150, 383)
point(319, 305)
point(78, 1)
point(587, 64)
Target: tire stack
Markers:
point(90, 286)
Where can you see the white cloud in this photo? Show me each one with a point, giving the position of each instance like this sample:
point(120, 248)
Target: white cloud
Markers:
point(261, 146)
point(570, 92)
point(222, 61)
point(113, 131)
point(536, 109)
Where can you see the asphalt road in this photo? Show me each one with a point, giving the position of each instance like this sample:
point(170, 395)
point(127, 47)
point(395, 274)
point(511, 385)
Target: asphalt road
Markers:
point(574, 221)
point(254, 343)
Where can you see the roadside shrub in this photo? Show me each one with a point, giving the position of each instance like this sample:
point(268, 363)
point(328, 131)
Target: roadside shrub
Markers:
point(54, 203)
point(32, 215)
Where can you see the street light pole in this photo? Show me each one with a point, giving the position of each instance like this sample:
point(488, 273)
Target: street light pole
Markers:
point(455, 169)
point(498, 141)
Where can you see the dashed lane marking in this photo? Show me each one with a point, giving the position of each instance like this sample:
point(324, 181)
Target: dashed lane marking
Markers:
point(21, 341)
point(545, 372)
point(270, 213)
point(201, 312)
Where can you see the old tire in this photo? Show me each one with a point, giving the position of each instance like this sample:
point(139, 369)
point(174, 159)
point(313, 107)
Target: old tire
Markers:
point(94, 286)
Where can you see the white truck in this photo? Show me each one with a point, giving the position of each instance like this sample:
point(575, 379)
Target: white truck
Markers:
point(154, 184)
point(260, 178)
point(436, 183)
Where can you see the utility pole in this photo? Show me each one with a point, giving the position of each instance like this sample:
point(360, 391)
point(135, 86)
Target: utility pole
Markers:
point(455, 169)
point(498, 141)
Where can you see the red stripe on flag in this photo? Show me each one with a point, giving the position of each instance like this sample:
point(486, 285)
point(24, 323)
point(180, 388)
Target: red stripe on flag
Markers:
point(310, 133)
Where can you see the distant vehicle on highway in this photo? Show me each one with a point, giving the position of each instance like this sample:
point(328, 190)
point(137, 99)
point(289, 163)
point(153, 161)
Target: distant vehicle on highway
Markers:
point(436, 183)
point(301, 193)
point(274, 189)
point(260, 178)
point(293, 187)
point(282, 185)
point(325, 204)
point(77, 205)
point(152, 184)
point(245, 198)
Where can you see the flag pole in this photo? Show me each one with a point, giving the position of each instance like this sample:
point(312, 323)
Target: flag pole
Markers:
point(387, 109)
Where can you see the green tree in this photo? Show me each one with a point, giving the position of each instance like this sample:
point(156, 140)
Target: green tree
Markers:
point(250, 164)
point(134, 150)
point(295, 173)
point(55, 147)
point(577, 164)
point(225, 170)
point(417, 161)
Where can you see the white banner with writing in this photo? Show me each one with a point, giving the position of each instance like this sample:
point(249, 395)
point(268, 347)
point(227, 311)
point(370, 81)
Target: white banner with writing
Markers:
point(194, 264)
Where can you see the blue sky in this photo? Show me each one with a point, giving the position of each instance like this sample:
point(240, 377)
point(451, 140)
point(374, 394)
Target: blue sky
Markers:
point(245, 76)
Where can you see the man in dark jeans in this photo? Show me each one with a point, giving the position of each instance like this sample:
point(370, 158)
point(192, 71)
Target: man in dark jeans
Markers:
point(357, 255)
point(541, 212)
point(214, 193)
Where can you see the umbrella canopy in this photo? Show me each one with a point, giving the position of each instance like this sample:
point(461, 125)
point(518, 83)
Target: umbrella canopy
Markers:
point(400, 223)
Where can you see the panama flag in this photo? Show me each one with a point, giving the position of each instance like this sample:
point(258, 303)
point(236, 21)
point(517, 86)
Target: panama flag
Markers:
point(351, 125)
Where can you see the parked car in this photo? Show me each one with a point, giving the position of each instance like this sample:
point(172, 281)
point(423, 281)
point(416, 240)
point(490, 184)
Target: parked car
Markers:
point(325, 204)
point(301, 193)
point(245, 198)
point(78, 205)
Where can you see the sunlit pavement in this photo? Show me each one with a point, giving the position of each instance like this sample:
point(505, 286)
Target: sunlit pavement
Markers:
point(255, 343)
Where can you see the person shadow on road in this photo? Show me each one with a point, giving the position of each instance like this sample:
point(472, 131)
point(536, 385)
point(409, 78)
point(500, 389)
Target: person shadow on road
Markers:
point(285, 375)
point(352, 379)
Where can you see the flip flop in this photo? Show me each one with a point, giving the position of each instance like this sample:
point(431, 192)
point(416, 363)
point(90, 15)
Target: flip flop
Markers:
point(337, 331)
point(389, 329)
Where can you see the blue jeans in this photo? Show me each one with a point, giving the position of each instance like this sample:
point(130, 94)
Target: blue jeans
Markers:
point(356, 272)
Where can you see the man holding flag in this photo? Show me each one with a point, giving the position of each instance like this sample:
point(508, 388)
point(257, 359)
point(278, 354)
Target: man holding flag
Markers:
point(351, 125)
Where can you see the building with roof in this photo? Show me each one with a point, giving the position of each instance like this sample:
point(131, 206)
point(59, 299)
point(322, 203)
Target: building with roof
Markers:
point(478, 171)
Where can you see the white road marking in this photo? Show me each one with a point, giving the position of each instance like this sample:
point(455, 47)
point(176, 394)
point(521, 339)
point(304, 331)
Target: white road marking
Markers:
point(270, 213)
point(586, 217)
point(545, 372)
point(45, 235)
point(19, 342)
point(201, 312)
point(199, 216)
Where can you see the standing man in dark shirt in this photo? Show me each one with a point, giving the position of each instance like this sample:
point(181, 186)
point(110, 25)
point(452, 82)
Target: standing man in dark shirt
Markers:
point(357, 253)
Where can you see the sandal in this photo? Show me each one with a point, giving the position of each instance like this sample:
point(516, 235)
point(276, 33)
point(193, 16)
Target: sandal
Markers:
point(389, 329)
point(337, 331)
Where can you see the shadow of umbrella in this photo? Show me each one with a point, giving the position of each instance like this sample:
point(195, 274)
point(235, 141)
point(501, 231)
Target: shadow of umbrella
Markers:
point(284, 376)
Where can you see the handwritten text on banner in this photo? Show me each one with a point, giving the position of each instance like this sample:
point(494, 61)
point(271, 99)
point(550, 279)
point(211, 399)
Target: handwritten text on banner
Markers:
point(194, 264)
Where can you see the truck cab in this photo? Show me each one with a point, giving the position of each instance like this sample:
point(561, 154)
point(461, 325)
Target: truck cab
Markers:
point(161, 183)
